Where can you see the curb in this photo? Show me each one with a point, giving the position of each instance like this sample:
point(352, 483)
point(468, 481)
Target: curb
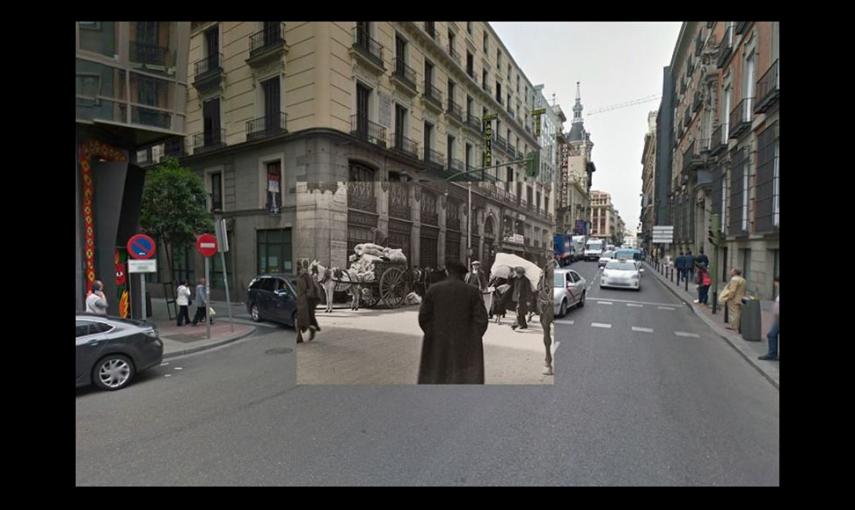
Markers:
point(749, 357)
point(209, 346)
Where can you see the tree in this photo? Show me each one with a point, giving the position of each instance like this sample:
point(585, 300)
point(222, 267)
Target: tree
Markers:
point(174, 207)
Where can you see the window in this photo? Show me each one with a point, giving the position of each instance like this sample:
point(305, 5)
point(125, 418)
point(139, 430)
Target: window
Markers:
point(518, 79)
point(400, 51)
point(748, 87)
point(98, 37)
point(485, 41)
point(724, 204)
point(430, 28)
point(274, 186)
point(509, 178)
point(468, 106)
point(498, 92)
point(776, 270)
point(217, 271)
point(725, 115)
point(183, 258)
point(776, 183)
point(450, 40)
point(745, 262)
point(484, 78)
point(428, 77)
point(470, 65)
point(274, 251)
point(91, 328)
point(498, 59)
point(400, 125)
point(450, 149)
point(468, 156)
point(363, 95)
point(469, 26)
point(428, 138)
point(217, 191)
point(508, 104)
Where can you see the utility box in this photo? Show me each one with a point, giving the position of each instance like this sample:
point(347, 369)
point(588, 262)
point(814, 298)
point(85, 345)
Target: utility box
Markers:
point(750, 323)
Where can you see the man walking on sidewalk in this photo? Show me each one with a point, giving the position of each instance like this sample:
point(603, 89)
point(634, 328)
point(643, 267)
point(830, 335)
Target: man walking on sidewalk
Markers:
point(476, 278)
point(703, 259)
point(522, 294)
point(201, 303)
point(775, 330)
point(704, 281)
point(690, 265)
point(732, 296)
point(680, 265)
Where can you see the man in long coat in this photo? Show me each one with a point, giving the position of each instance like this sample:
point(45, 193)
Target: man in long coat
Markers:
point(307, 299)
point(476, 278)
point(732, 296)
point(454, 320)
point(522, 295)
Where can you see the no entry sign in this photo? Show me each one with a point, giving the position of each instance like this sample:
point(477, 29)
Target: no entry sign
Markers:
point(206, 244)
point(141, 246)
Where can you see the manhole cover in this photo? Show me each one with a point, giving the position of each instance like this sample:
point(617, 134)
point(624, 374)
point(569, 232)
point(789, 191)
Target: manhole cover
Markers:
point(283, 350)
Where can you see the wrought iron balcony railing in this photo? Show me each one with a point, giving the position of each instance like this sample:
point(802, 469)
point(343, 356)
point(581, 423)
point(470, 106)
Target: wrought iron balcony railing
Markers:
point(364, 129)
point(266, 126)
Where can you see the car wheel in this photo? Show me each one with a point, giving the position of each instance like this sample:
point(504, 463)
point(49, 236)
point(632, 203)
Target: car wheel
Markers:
point(255, 313)
point(113, 372)
point(563, 311)
point(582, 300)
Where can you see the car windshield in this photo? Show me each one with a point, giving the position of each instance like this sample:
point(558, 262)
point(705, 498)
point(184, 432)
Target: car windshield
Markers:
point(559, 279)
point(608, 255)
point(624, 254)
point(621, 266)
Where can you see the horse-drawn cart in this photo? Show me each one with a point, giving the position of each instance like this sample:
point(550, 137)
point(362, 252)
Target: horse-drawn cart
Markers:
point(391, 283)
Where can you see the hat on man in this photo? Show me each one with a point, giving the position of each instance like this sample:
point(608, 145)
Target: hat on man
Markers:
point(476, 263)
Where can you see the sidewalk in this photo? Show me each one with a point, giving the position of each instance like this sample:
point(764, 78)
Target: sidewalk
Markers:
point(749, 350)
point(186, 339)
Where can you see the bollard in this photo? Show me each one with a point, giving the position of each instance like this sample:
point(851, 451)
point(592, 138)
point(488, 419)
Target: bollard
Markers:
point(714, 301)
point(672, 274)
point(725, 314)
point(687, 283)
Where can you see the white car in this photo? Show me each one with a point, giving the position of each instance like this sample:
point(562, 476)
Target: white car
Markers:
point(621, 273)
point(569, 289)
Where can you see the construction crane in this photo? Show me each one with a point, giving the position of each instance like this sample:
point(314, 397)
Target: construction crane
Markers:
point(646, 99)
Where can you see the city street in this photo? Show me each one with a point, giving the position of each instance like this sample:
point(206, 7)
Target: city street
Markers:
point(644, 394)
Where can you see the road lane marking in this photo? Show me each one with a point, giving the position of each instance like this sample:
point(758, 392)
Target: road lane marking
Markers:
point(600, 325)
point(643, 330)
point(635, 305)
point(565, 322)
point(632, 301)
point(605, 302)
point(177, 368)
point(690, 335)
point(665, 308)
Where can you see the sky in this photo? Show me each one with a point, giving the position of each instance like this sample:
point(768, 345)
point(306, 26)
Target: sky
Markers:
point(615, 63)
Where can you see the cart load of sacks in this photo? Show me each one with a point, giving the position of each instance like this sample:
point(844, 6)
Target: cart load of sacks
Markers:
point(366, 255)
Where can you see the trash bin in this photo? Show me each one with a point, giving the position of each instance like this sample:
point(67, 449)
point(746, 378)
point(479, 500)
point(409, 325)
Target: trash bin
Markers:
point(749, 324)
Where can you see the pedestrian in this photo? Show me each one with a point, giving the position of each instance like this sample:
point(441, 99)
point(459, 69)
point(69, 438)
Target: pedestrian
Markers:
point(547, 312)
point(355, 289)
point(328, 283)
point(201, 303)
point(182, 299)
point(96, 301)
point(732, 296)
point(522, 294)
point(775, 331)
point(307, 295)
point(453, 319)
point(703, 259)
point(476, 278)
point(690, 265)
point(704, 281)
point(680, 265)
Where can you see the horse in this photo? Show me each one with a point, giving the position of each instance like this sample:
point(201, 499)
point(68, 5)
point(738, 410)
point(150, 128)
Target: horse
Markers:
point(324, 277)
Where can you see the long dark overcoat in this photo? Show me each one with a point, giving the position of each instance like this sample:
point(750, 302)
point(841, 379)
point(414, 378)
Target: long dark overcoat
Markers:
point(454, 320)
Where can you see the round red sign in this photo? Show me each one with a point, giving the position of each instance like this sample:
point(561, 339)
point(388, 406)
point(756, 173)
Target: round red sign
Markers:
point(141, 246)
point(206, 244)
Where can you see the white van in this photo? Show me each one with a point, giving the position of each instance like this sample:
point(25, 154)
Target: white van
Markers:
point(594, 249)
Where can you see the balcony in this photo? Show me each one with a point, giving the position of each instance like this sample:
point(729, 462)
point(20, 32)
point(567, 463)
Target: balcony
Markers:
point(151, 117)
point(433, 97)
point(511, 152)
point(500, 142)
point(687, 117)
point(364, 129)
point(430, 28)
point(692, 159)
point(740, 118)
point(208, 73)
point(768, 88)
point(433, 159)
point(405, 77)
point(527, 129)
point(697, 102)
point(741, 26)
point(452, 224)
point(406, 146)
point(209, 140)
point(455, 56)
point(473, 122)
point(360, 201)
point(510, 113)
point(149, 54)
point(725, 47)
point(487, 89)
point(264, 127)
point(267, 44)
point(367, 50)
point(699, 44)
point(454, 112)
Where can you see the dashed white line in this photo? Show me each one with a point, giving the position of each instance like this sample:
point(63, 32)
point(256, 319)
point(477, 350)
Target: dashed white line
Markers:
point(643, 330)
point(605, 302)
point(634, 305)
point(632, 301)
point(565, 322)
point(690, 335)
point(600, 325)
point(177, 368)
point(665, 308)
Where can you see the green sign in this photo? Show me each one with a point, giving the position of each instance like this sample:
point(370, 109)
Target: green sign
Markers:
point(532, 164)
point(537, 113)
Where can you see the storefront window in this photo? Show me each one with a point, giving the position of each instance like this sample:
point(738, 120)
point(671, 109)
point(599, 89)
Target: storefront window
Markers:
point(274, 251)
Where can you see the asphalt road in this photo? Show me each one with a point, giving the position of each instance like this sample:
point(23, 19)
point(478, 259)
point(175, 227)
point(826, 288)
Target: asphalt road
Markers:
point(671, 406)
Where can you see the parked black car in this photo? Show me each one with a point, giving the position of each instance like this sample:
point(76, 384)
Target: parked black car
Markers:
point(111, 350)
point(273, 297)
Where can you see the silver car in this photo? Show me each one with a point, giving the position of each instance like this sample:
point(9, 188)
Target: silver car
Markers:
point(621, 273)
point(607, 257)
point(569, 291)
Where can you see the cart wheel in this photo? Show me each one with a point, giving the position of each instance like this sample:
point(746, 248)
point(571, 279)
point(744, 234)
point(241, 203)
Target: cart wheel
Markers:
point(393, 287)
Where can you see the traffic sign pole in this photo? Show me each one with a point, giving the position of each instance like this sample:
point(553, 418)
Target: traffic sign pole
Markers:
point(208, 294)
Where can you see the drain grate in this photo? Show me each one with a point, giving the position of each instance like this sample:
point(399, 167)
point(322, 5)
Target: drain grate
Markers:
point(282, 350)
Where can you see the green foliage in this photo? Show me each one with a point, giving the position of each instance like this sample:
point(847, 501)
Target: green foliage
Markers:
point(174, 206)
